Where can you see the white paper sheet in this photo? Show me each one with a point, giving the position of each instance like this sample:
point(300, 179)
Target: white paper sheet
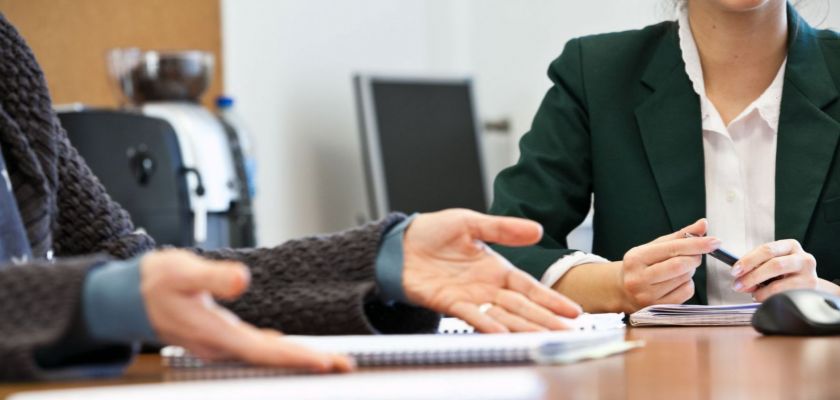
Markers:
point(585, 322)
point(479, 384)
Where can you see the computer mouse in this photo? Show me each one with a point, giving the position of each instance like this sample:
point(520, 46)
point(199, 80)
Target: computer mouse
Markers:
point(801, 312)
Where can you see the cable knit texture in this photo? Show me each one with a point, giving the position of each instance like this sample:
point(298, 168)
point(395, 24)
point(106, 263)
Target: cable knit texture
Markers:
point(323, 285)
point(319, 285)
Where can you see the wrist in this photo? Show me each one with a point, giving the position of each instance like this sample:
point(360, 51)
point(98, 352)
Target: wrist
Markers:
point(390, 263)
point(113, 306)
point(623, 300)
point(596, 286)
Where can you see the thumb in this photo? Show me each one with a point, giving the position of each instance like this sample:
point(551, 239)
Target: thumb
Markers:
point(698, 228)
point(223, 279)
point(227, 280)
point(508, 231)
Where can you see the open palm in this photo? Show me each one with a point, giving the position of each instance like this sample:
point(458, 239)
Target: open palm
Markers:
point(449, 268)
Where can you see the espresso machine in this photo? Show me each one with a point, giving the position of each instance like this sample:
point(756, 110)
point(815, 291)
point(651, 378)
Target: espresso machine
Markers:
point(170, 162)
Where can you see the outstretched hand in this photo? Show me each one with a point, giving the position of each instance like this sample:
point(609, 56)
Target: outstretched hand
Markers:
point(449, 268)
point(179, 289)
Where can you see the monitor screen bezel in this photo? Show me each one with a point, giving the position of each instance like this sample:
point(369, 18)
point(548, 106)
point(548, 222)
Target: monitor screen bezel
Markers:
point(377, 186)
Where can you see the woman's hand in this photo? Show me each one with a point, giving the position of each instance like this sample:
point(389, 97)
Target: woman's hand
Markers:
point(775, 267)
point(660, 272)
point(178, 289)
point(449, 269)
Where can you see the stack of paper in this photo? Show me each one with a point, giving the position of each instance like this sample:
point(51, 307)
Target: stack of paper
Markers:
point(694, 315)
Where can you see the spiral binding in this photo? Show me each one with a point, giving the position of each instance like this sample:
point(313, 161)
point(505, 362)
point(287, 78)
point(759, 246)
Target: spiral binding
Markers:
point(176, 357)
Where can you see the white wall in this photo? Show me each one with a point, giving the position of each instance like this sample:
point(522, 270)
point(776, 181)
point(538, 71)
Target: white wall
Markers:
point(289, 65)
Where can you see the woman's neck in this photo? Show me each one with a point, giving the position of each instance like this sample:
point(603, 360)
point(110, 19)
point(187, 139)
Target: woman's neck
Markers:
point(741, 52)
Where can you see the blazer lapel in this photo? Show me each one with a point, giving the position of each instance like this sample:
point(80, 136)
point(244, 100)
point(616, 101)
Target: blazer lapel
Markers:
point(672, 135)
point(671, 129)
point(808, 137)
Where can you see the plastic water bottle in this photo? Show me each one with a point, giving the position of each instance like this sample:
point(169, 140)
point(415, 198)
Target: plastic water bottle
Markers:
point(239, 136)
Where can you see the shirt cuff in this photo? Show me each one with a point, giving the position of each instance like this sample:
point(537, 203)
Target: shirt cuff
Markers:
point(113, 306)
point(389, 264)
point(565, 263)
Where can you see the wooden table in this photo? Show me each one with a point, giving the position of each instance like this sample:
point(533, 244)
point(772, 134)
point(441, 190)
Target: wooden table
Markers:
point(676, 363)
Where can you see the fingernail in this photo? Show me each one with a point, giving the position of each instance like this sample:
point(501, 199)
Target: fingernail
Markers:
point(715, 242)
point(738, 286)
point(736, 270)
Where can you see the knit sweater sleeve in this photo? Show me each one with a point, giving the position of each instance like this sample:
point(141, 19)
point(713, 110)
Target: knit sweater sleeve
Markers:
point(89, 221)
point(40, 308)
point(324, 285)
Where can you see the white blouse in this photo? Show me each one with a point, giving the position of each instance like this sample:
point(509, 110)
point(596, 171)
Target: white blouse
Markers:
point(740, 173)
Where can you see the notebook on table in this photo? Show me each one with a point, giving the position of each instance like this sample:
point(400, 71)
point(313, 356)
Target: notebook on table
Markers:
point(585, 322)
point(694, 315)
point(392, 350)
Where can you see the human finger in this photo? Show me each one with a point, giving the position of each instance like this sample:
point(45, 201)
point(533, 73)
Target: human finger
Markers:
point(267, 348)
point(519, 305)
point(514, 323)
point(661, 289)
point(773, 268)
point(672, 268)
point(552, 300)
point(223, 279)
point(507, 231)
point(653, 253)
point(762, 254)
point(698, 228)
point(471, 314)
point(781, 285)
point(679, 295)
point(206, 352)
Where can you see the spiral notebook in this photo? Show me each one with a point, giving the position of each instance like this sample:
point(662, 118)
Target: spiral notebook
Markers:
point(393, 350)
point(584, 322)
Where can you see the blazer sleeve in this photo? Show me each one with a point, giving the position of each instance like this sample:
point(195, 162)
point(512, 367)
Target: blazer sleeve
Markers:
point(552, 181)
point(323, 285)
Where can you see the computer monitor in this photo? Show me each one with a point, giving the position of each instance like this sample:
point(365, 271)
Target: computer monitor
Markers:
point(421, 144)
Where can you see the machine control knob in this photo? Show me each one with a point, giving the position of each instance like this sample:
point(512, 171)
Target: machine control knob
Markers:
point(142, 164)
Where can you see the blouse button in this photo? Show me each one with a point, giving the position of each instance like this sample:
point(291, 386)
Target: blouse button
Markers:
point(731, 196)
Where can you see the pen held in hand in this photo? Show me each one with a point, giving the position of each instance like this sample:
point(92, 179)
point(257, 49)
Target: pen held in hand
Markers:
point(728, 259)
point(720, 254)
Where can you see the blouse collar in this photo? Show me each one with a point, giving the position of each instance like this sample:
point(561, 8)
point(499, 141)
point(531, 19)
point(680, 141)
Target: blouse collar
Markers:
point(768, 104)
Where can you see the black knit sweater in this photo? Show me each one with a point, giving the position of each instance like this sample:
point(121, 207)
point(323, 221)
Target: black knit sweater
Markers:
point(318, 285)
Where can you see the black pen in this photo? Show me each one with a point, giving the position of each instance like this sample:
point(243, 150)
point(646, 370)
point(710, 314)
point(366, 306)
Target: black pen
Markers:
point(727, 258)
point(720, 254)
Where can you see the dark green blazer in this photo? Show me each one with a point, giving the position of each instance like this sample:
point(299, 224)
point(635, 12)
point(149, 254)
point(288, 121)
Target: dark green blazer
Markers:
point(622, 122)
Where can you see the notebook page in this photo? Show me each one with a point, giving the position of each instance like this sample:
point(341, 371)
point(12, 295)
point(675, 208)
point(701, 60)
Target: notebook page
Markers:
point(584, 322)
point(362, 344)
